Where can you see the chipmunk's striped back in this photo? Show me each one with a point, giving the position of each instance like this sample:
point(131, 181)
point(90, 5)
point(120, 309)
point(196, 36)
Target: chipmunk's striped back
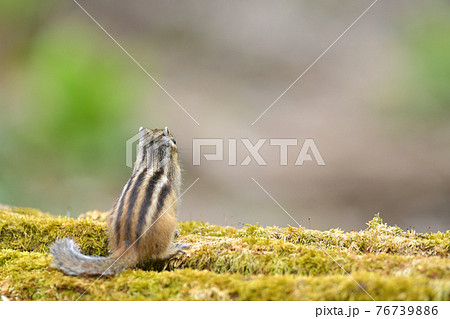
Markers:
point(143, 219)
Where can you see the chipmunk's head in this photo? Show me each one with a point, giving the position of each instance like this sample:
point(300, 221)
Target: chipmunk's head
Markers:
point(156, 149)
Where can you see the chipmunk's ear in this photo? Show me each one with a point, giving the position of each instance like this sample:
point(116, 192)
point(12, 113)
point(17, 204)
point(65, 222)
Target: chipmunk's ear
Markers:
point(166, 131)
point(141, 136)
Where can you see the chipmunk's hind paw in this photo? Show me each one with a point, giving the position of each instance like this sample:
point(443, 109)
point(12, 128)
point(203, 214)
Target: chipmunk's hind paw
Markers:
point(181, 246)
point(174, 250)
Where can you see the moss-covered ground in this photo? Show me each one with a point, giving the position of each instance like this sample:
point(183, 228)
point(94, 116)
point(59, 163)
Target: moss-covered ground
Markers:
point(225, 263)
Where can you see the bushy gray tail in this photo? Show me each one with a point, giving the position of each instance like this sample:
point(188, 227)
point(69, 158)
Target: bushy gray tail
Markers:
point(68, 257)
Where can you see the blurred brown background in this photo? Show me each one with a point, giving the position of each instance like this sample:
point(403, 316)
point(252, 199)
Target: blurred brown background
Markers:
point(377, 105)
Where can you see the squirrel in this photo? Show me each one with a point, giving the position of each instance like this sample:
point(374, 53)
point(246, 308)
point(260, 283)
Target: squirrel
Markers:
point(142, 221)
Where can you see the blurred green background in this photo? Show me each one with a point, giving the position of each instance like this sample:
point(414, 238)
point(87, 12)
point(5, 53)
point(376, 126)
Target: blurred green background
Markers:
point(378, 105)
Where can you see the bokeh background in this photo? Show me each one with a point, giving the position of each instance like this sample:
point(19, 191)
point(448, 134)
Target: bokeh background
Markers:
point(377, 105)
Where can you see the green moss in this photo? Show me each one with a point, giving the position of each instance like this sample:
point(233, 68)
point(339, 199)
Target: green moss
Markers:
point(377, 238)
point(225, 263)
point(26, 276)
point(34, 232)
point(23, 211)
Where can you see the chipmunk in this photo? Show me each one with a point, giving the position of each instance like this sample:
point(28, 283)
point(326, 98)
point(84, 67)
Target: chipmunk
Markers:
point(142, 222)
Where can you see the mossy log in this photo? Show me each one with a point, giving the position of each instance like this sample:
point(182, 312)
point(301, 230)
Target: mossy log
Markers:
point(226, 263)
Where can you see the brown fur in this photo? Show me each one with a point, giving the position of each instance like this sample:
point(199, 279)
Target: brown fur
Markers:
point(142, 222)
